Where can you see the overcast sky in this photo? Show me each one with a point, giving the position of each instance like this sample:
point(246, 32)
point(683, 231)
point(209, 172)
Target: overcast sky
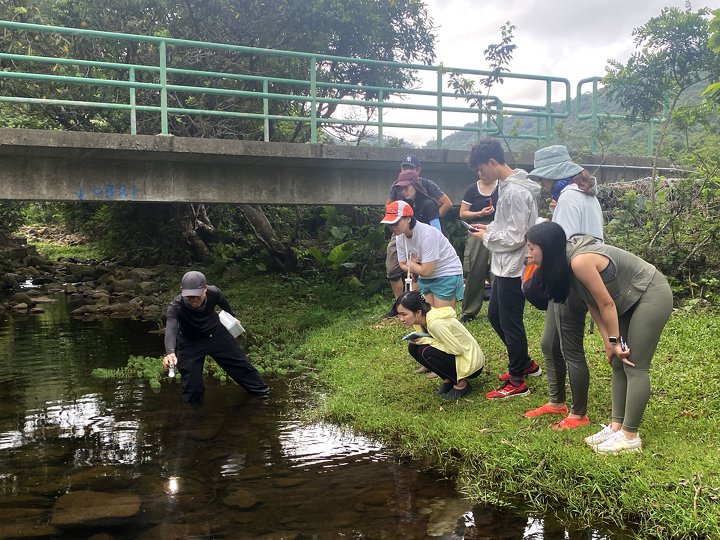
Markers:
point(572, 39)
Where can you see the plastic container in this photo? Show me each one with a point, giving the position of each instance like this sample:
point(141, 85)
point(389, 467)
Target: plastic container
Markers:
point(231, 323)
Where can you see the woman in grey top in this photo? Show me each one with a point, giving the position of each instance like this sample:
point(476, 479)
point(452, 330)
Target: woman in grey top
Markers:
point(629, 299)
point(576, 209)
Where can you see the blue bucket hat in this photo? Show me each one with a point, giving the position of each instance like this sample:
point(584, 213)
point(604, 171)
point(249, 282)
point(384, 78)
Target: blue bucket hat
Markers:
point(553, 163)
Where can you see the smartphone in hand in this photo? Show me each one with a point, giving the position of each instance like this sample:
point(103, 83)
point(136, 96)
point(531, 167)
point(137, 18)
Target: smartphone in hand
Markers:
point(415, 335)
point(468, 226)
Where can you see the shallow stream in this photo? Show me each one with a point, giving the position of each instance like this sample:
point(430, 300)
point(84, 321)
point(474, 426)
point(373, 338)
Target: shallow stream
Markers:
point(137, 463)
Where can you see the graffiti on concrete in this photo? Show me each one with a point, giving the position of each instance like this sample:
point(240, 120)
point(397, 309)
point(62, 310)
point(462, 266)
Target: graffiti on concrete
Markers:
point(107, 192)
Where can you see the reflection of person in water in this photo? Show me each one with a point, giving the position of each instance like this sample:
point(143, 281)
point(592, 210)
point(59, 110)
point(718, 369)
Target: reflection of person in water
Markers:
point(194, 331)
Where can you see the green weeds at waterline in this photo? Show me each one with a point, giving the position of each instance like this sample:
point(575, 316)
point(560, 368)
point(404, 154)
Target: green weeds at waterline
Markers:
point(670, 490)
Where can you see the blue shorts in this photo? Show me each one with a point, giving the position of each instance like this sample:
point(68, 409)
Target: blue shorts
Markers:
point(444, 288)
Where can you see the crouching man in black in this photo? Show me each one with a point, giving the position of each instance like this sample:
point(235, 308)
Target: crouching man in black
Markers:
point(194, 331)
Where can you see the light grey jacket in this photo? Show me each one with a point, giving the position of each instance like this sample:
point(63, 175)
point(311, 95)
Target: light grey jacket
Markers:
point(515, 213)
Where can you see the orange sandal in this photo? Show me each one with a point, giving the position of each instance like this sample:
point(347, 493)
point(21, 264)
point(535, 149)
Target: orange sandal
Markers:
point(571, 423)
point(546, 409)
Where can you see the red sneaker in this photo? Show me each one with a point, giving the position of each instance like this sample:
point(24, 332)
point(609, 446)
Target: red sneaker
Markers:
point(571, 423)
point(546, 409)
point(508, 391)
point(533, 371)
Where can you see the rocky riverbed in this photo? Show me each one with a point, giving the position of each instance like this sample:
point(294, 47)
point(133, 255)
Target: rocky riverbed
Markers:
point(108, 288)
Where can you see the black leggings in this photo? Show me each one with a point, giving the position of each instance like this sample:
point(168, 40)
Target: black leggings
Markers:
point(437, 361)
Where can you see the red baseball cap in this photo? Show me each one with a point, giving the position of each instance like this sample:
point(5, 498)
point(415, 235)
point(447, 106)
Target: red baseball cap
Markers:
point(395, 211)
point(407, 177)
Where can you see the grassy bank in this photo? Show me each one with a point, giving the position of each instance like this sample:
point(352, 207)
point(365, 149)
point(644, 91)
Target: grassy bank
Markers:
point(670, 490)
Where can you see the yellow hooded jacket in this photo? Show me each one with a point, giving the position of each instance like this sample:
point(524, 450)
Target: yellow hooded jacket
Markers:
point(451, 337)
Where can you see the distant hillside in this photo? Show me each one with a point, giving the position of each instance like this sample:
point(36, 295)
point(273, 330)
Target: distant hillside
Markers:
point(623, 138)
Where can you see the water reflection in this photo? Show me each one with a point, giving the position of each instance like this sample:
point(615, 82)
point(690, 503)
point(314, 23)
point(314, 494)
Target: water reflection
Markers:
point(235, 468)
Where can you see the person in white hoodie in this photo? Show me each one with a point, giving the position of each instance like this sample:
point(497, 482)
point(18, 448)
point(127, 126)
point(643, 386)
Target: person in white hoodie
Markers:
point(576, 209)
point(515, 214)
point(447, 348)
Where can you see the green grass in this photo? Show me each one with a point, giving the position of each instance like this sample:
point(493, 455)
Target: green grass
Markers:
point(367, 382)
point(670, 490)
point(54, 252)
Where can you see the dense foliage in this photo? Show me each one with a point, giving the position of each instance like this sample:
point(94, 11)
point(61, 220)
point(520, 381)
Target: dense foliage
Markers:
point(400, 30)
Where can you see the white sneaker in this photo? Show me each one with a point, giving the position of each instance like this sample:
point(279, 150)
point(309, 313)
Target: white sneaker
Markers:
point(619, 444)
point(601, 436)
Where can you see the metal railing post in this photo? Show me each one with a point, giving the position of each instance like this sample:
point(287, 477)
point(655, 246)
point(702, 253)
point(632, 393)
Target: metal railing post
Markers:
point(133, 104)
point(266, 112)
point(480, 120)
point(439, 130)
point(593, 112)
point(381, 98)
point(548, 108)
point(163, 89)
point(313, 100)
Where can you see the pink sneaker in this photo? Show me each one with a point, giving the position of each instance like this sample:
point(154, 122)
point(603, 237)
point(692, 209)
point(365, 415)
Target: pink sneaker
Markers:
point(533, 371)
point(508, 391)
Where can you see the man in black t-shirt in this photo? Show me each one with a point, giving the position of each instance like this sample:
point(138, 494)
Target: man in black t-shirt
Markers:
point(478, 206)
point(394, 272)
point(194, 331)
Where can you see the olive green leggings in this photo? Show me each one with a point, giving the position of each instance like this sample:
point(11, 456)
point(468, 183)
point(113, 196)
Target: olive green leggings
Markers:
point(642, 326)
point(564, 354)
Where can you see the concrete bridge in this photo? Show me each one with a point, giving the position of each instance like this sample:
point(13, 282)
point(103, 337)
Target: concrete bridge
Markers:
point(39, 165)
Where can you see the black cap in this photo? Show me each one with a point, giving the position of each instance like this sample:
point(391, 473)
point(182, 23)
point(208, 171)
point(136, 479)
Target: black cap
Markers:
point(410, 161)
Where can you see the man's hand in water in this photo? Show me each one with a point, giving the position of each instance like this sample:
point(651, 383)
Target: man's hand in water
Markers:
point(169, 360)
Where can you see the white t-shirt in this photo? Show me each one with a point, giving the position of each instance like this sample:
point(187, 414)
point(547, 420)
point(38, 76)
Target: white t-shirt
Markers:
point(429, 244)
point(578, 212)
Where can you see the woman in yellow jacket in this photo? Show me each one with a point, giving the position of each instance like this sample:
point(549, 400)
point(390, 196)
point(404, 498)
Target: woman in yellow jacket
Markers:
point(447, 348)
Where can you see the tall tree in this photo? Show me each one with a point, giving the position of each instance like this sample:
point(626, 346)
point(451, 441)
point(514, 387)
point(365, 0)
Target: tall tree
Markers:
point(394, 30)
point(671, 56)
point(713, 91)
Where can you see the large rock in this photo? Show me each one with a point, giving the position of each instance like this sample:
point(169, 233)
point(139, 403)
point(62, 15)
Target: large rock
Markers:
point(125, 286)
point(85, 272)
point(23, 298)
point(241, 499)
point(9, 281)
point(94, 509)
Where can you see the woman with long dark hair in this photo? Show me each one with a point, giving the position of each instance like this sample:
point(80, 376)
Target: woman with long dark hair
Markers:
point(575, 208)
point(629, 299)
point(448, 349)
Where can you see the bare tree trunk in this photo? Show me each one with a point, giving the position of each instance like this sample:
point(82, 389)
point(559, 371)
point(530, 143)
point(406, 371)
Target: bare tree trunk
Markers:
point(283, 257)
point(187, 220)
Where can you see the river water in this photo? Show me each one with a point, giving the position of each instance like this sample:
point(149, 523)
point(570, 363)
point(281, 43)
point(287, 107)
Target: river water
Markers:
point(234, 468)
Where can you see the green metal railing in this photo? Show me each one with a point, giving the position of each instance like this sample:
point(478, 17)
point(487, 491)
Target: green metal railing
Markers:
point(150, 89)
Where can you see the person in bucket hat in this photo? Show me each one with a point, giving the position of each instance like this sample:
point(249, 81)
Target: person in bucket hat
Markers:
point(576, 209)
point(194, 331)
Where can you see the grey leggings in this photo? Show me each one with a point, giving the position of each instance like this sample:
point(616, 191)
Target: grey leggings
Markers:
point(562, 347)
point(476, 262)
point(642, 326)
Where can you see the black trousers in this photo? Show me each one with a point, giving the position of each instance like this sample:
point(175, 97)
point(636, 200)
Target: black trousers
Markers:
point(437, 361)
point(505, 311)
point(224, 349)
